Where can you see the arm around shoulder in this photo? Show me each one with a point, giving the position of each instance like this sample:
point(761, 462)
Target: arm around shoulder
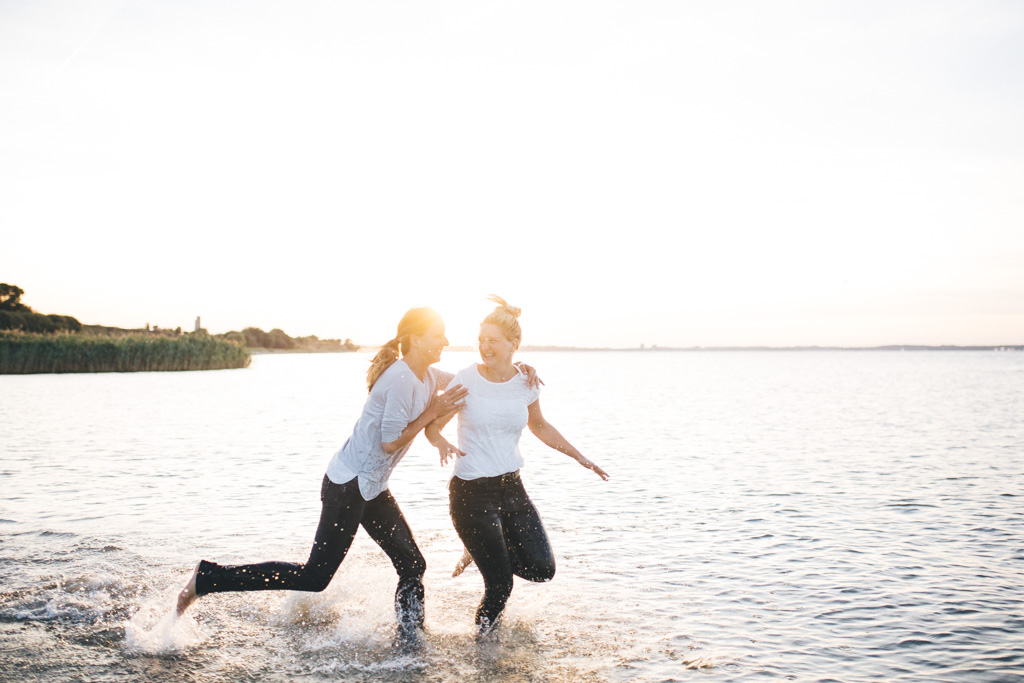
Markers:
point(441, 406)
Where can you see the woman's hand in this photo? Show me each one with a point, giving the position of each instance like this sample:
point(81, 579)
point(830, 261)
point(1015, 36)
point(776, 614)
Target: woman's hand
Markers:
point(532, 380)
point(591, 465)
point(446, 404)
point(447, 451)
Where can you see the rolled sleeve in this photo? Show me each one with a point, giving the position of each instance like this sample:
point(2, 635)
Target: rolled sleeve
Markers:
point(397, 416)
point(441, 378)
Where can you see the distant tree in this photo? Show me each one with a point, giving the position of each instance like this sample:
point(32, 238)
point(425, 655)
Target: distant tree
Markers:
point(37, 322)
point(71, 323)
point(65, 322)
point(255, 337)
point(10, 296)
point(236, 338)
point(11, 320)
point(258, 339)
point(279, 340)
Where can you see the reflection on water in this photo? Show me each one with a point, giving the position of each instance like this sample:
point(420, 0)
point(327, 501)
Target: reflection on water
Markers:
point(807, 516)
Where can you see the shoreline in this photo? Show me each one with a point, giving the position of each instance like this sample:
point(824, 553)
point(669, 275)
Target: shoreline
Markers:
point(27, 353)
point(262, 351)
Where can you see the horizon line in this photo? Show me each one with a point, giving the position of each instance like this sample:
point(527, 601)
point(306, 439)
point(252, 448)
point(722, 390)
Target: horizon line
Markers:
point(655, 348)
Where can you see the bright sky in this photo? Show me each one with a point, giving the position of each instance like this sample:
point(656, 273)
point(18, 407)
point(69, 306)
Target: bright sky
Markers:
point(632, 172)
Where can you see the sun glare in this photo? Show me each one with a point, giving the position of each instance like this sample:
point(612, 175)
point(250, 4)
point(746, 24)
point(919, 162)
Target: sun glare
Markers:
point(462, 315)
point(670, 175)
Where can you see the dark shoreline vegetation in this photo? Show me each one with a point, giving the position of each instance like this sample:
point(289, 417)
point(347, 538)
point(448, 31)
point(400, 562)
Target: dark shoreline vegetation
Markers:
point(32, 343)
point(23, 353)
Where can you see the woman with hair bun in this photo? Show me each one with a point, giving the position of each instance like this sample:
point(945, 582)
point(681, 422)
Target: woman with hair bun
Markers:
point(491, 511)
point(403, 400)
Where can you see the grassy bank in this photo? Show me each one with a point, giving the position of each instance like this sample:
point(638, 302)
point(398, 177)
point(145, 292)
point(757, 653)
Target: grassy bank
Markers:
point(25, 353)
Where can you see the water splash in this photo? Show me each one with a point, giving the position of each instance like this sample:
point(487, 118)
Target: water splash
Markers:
point(157, 629)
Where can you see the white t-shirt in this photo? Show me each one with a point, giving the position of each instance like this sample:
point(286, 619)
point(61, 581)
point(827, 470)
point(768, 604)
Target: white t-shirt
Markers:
point(490, 424)
point(398, 397)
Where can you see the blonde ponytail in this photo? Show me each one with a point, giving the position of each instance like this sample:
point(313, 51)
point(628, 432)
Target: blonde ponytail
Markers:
point(387, 355)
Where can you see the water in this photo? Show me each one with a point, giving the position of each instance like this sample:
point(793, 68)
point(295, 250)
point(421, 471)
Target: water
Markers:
point(811, 516)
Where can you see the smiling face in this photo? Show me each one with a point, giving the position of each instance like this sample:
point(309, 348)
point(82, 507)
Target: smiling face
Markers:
point(495, 348)
point(429, 344)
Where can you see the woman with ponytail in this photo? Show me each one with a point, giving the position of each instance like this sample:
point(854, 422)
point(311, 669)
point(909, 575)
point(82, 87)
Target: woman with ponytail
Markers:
point(403, 400)
point(491, 511)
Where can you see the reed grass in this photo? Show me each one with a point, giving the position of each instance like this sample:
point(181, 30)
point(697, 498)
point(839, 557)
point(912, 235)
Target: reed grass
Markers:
point(24, 353)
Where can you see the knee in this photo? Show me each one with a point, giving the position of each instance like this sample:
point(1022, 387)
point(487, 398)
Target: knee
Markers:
point(414, 567)
point(319, 586)
point(499, 589)
point(314, 578)
point(542, 572)
point(420, 567)
point(318, 583)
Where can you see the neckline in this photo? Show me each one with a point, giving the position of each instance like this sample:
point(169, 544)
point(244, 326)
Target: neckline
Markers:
point(426, 373)
point(481, 375)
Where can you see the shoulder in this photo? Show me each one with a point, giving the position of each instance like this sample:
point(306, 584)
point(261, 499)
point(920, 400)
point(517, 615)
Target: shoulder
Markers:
point(531, 394)
point(464, 375)
point(468, 372)
point(398, 374)
point(442, 378)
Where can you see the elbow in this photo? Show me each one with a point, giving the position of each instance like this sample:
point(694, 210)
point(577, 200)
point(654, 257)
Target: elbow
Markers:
point(390, 447)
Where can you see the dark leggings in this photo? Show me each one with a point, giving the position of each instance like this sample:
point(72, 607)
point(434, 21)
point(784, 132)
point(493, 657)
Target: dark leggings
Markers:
point(343, 511)
point(501, 529)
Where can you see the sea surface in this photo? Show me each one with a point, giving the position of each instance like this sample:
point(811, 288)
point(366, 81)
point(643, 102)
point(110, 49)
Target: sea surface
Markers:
point(807, 516)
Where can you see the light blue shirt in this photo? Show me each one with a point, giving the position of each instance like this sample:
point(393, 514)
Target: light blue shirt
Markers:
point(397, 398)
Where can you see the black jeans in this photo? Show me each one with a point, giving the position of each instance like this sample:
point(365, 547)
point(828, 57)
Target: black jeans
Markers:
point(501, 529)
point(343, 511)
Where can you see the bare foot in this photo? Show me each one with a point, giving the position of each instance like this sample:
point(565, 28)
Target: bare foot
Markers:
point(188, 594)
point(464, 562)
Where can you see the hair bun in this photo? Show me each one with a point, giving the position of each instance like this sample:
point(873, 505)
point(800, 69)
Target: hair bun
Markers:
point(514, 311)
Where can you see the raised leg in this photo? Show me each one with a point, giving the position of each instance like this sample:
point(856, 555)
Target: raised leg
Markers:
point(525, 537)
point(339, 520)
point(463, 562)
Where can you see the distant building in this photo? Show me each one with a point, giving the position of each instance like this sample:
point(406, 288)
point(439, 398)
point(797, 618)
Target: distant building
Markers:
point(198, 326)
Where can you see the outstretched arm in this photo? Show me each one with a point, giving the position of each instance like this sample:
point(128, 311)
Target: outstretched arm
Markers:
point(546, 432)
point(440, 406)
